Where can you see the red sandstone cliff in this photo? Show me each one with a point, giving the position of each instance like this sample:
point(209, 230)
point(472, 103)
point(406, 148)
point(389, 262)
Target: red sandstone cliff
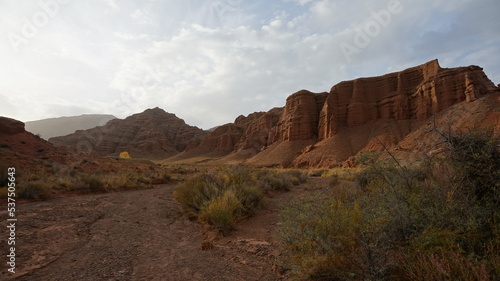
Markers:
point(312, 129)
point(416, 93)
point(325, 129)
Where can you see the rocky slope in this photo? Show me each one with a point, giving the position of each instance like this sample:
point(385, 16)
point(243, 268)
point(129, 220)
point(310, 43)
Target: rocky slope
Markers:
point(326, 129)
point(24, 150)
point(153, 134)
point(55, 127)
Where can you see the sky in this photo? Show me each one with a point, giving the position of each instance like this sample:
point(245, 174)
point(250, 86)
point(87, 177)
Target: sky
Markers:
point(209, 61)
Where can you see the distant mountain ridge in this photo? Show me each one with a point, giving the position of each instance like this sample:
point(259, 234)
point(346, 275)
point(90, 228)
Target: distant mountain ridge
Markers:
point(153, 134)
point(61, 126)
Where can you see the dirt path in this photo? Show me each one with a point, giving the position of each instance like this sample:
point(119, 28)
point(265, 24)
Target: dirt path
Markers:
point(137, 235)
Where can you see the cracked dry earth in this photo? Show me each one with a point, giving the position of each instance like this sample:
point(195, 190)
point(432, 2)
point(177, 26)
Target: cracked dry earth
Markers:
point(137, 235)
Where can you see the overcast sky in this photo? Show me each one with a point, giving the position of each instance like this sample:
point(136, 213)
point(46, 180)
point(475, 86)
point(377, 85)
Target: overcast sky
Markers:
point(209, 61)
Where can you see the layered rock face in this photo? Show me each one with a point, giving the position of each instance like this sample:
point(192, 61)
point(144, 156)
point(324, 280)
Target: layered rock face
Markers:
point(312, 129)
point(416, 93)
point(250, 135)
point(325, 129)
point(153, 134)
point(260, 132)
point(247, 135)
point(300, 117)
point(223, 138)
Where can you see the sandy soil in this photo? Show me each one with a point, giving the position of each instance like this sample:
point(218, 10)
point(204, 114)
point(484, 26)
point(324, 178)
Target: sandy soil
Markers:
point(139, 235)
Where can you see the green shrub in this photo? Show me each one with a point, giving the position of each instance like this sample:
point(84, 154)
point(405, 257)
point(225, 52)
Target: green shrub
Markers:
point(334, 180)
point(222, 211)
point(250, 196)
point(220, 197)
point(347, 174)
point(296, 176)
point(93, 183)
point(443, 265)
point(365, 177)
point(3, 192)
point(272, 180)
point(317, 172)
point(320, 238)
point(346, 191)
point(196, 191)
point(433, 221)
point(167, 177)
point(34, 190)
point(475, 156)
point(4, 177)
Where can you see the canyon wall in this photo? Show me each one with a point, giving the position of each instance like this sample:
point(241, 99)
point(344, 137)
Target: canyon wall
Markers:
point(312, 129)
point(325, 129)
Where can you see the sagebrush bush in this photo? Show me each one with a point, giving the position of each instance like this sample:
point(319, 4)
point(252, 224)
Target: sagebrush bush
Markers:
point(334, 180)
point(219, 197)
point(196, 191)
point(222, 211)
point(320, 238)
point(272, 179)
point(4, 192)
point(4, 177)
point(317, 172)
point(443, 265)
point(296, 176)
point(34, 190)
point(437, 220)
point(475, 156)
point(93, 183)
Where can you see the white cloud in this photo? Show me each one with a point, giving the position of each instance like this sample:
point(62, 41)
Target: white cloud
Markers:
point(128, 36)
point(209, 72)
point(112, 5)
point(300, 2)
point(142, 17)
point(210, 61)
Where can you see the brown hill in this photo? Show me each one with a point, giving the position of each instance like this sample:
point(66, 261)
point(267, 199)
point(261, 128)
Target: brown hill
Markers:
point(24, 150)
point(55, 127)
point(326, 129)
point(153, 134)
point(52, 170)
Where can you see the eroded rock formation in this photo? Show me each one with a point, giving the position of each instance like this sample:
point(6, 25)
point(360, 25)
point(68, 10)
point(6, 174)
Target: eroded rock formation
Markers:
point(325, 129)
point(153, 134)
point(312, 129)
